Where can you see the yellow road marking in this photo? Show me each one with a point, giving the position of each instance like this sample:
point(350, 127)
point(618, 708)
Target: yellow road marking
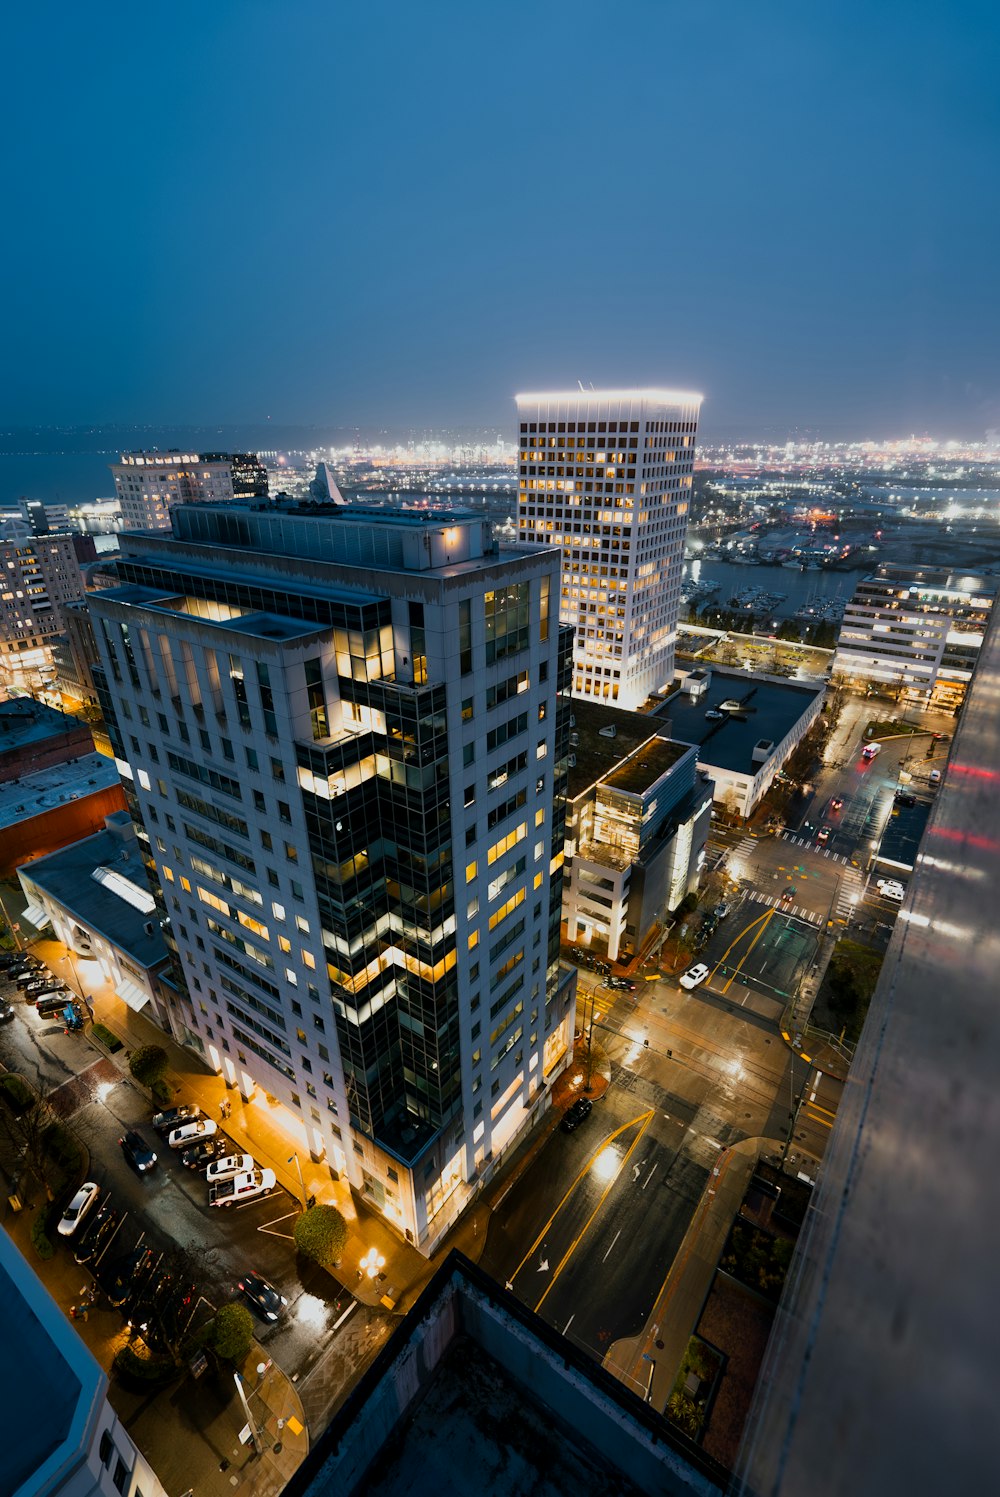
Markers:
point(732, 979)
point(829, 1112)
point(825, 1122)
point(737, 939)
point(643, 1117)
point(576, 1240)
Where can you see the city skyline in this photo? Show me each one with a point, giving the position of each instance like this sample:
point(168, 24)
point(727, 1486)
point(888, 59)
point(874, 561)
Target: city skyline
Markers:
point(378, 242)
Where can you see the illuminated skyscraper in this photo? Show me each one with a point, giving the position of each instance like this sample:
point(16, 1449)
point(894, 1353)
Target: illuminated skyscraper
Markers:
point(343, 732)
point(606, 475)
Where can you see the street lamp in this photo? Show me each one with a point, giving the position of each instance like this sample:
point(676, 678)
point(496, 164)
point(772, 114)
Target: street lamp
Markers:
point(302, 1183)
point(372, 1263)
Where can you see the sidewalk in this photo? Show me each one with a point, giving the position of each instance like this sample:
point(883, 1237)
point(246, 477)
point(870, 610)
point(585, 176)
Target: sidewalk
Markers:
point(648, 1363)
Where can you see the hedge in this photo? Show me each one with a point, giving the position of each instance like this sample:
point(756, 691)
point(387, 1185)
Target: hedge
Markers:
point(107, 1039)
point(142, 1371)
point(40, 1240)
point(16, 1093)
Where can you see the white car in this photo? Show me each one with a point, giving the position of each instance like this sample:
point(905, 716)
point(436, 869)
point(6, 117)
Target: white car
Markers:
point(189, 1133)
point(891, 888)
point(78, 1208)
point(225, 1169)
point(694, 975)
point(871, 750)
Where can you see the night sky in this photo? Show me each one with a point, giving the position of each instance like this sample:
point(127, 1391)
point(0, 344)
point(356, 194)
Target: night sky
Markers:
point(400, 214)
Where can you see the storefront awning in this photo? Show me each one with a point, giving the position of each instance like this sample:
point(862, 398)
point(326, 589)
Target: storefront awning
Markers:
point(132, 994)
point(36, 915)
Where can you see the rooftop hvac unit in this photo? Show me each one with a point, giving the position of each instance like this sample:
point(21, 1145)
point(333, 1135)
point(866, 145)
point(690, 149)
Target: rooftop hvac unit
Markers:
point(571, 761)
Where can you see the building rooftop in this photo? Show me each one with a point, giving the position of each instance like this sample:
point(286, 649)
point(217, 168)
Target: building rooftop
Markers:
point(67, 876)
point(51, 1367)
point(25, 722)
point(903, 834)
point(51, 788)
point(649, 764)
point(771, 710)
point(598, 397)
point(475, 1395)
point(596, 755)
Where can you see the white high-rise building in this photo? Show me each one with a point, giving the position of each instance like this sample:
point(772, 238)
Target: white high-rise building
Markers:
point(606, 475)
point(40, 578)
point(344, 732)
point(149, 484)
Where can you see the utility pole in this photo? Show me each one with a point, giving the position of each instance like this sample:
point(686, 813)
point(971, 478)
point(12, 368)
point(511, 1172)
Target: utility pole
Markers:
point(251, 1421)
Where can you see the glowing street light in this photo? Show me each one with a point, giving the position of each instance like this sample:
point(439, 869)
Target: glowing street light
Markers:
point(372, 1263)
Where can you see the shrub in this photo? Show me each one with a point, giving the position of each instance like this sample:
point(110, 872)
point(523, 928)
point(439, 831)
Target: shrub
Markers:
point(321, 1234)
point(62, 1149)
point(148, 1064)
point(105, 1037)
point(16, 1093)
point(230, 1333)
point(140, 1371)
point(40, 1235)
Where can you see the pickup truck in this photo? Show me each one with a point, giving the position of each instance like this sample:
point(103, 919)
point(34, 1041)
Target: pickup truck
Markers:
point(242, 1188)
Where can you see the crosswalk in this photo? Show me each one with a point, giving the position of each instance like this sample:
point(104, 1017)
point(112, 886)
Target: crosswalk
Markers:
point(810, 842)
point(850, 892)
point(798, 910)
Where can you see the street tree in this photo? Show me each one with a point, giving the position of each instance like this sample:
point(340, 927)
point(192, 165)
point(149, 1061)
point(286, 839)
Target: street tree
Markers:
point(148, 1064)
point(321, 1234)
point(230, 1333)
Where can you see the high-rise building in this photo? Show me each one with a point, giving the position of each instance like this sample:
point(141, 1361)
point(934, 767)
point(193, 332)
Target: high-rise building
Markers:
point(41, 575)
point(344, 731)
point(248, 473)
point(917, 631)
point(149, 484)
point(606, 475)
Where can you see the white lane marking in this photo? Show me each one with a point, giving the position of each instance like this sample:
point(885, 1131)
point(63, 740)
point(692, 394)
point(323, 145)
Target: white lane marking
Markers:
point(349, 1311)
point(569, 1322)
point(607, 1254)
point(652, 1172)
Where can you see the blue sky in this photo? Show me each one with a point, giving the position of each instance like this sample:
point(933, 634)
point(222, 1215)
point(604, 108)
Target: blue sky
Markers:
point(400, 214)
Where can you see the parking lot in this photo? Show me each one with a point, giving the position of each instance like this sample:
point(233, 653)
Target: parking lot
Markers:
point(188, 1257)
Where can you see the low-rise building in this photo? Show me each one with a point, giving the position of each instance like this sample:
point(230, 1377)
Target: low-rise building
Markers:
point(34, 737)
point(45, 811)
point(96, 897)
point(746, 727)
point(916, 631)
point(637, 821)
point(40, 576)
point(63, 1437)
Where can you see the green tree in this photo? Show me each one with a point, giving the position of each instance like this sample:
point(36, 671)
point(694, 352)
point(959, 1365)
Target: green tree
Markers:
point(321, 1234)
point(148, 1064)
point(230, 1333)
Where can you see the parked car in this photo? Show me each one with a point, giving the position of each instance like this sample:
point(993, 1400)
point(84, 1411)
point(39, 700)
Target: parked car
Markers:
point(721, 910)
point(6, 1012)
point(163, 1122)
point(78, 1208)
point(94, 1233)
point(891, 888)
point(694, 976)
point(903, 798)
point(125, 1274)
point(26, 976)
point(190, 1132)
point(197, 1155)
point(54, 1005)
point(137, 1152)
point(262, 1295)
point(935, 777)
point(228, 1166)
point(714, 716)
point(576, 1113)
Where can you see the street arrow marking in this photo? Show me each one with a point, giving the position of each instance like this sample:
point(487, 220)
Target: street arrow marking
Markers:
point(543, 1265)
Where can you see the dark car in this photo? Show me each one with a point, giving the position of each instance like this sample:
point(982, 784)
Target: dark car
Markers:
point(577, 1113)
point(137, 1152)
point(262, 1295)
point(146, 1314)
point(837, 803)
point(27, 976)
point(788, 894)
point(197, 1155)
point(125, 1275)
point(96, 1240)
point(903, 798)
point(174, 1117)
point(51, 1004)
point(6, 1012)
